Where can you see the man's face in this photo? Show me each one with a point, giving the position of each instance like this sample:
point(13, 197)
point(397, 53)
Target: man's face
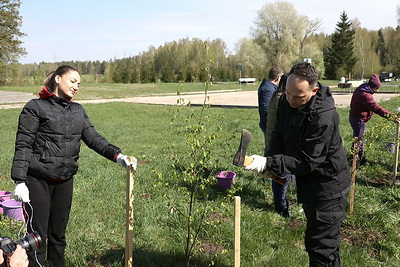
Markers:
point(299, 92)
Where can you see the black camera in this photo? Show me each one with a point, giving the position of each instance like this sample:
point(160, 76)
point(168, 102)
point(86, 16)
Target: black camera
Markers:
point(31, 242)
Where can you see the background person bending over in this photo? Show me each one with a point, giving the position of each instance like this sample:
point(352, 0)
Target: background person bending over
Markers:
point(306, 142)
point(50, 130)
point(362, 107)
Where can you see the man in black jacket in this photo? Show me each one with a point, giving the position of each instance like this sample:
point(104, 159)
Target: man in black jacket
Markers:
point(306, 142)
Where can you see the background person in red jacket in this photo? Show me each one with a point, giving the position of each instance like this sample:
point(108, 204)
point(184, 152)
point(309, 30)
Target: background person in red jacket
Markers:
point(362, 107)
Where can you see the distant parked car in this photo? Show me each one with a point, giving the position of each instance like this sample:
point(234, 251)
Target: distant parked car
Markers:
point(247, 80)
point(386, 77)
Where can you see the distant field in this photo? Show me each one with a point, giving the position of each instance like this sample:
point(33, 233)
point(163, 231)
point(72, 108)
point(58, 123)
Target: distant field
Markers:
point(119, 90)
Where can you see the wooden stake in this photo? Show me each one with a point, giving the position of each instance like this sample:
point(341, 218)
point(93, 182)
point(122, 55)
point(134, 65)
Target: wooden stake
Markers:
point(353, 174)
point(129, 217)
point(236, 245)
point(396, 153)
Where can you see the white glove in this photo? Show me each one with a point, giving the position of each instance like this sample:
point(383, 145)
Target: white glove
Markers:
point(21, 193)
point(259, 164)
point(126, 161)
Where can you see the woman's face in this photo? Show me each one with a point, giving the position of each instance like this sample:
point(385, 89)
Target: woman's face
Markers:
point(67, 84)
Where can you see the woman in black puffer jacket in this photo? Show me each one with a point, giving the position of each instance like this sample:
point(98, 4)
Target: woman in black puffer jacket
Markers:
point(47, 146)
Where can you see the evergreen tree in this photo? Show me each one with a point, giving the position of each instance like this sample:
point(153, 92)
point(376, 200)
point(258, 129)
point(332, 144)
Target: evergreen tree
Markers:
point(381, 49)
point(339, 58)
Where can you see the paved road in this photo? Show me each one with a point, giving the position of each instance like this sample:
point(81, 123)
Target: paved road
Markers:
point(246, 99)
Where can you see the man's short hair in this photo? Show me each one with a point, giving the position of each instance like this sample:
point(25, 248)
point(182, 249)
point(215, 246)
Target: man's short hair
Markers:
point(274, 73)
point(305, 71)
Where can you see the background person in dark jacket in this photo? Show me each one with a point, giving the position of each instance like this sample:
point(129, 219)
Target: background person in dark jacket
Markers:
point(362, 107)
point(47, 146)
point(306, 142)
point(265, 92)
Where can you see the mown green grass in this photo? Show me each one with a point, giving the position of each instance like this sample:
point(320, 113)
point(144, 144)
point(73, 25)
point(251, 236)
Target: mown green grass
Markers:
point(119, 90)
point(95, 234)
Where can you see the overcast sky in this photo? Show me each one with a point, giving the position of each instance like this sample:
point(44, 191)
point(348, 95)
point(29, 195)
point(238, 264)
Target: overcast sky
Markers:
point(103, 30)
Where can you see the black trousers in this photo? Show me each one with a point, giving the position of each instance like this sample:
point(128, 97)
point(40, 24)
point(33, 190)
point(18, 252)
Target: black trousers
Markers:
point(48, 214)
point(322, 236)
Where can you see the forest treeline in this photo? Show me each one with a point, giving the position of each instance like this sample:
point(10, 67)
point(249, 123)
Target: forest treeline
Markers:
point(351, 51)
point(186, 60)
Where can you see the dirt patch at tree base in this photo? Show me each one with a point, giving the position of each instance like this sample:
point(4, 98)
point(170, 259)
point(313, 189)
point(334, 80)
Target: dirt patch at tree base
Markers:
point(359, 237)
point(295, 224)
point(210, 249)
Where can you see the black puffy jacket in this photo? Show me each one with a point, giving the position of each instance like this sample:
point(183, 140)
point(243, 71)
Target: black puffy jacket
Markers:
point(48, 139)
point(307, 144)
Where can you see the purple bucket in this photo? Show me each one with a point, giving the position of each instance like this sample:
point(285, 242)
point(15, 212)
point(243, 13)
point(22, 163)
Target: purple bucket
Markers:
point(4, 195)
point(226, 179)
point(13, 210)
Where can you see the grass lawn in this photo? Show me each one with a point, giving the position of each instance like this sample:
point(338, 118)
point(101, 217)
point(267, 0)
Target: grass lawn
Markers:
point(95, 234)
point(113, 90)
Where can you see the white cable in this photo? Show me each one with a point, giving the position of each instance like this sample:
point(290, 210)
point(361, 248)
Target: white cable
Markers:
point(29, 219)
point(24, 225)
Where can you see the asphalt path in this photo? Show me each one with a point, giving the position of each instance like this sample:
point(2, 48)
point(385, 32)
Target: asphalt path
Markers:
point(230, 98)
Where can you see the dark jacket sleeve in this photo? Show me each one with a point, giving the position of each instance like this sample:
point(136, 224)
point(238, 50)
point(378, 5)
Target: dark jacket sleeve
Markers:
point(276, 146)
point(272, 116)
point(97, 142)
point(266, 96)
point(27, 129)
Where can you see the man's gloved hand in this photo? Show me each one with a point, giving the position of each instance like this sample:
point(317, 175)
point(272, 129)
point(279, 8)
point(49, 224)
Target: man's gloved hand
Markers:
point(21, 193)
point(259, 164)
point(126, 161)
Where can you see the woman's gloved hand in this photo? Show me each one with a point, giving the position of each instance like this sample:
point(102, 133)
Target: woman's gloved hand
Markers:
point(126, 161)
point(21, 193)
